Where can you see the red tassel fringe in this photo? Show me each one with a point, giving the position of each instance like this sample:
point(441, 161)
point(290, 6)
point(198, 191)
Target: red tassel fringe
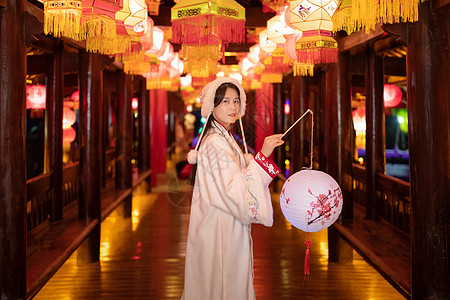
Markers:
point(317, 56)
point(194, 30)
point(308, 245)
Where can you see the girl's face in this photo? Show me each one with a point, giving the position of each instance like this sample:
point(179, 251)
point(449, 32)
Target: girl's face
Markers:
point(227, 111)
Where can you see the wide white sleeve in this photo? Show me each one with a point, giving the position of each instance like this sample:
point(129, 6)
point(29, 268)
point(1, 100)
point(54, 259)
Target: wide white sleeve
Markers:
point(242, 193)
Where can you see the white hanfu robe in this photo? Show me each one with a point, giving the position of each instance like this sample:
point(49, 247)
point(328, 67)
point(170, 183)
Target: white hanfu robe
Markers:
point(228, 196)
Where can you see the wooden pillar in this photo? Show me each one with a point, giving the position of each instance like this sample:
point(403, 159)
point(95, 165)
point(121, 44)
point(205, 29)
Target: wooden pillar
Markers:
point(55, 98)
point(124, 138)
point(278, 126)
point(344, 134)
point(338, 107)
point(13, 195)
point(301, 133)
point(263, 114)
point(144, 130)
point(375, 132)
point(90, 133)
point(321, 120)
point(428, 74)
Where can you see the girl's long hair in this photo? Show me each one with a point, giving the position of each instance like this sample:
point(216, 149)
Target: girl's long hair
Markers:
point(218, 97)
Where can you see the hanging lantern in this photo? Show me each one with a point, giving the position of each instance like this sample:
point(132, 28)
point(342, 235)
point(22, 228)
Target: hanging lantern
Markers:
point(265, 43)
point(311, 200)
point(392, 95)
point(69, 118)
point(153, 7)
point(402, 118)
point(145, 31)
point(275, 30)
point(368, 13)
point(359, 119)
point(277, 27)
point(98, 18)
point(63, 18)
point(113, 45)
point(313, 18)
point(194, 20)
point(36, 96)
point(69, 135)
point(134, 103)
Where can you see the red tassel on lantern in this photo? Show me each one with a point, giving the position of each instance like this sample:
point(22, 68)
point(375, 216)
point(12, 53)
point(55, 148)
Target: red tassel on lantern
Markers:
point(308, 245)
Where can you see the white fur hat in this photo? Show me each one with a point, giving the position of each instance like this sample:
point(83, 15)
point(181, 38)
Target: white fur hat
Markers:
point(209, 91)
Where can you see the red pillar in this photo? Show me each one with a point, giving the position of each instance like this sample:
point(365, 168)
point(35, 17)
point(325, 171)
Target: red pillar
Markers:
point(264, 114)
point(158, 116)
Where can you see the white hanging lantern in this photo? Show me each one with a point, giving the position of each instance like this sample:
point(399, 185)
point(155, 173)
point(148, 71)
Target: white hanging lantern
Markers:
point(311, 200)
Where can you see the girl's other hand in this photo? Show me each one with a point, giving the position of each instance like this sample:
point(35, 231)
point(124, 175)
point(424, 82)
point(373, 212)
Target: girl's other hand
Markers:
point(270, 142)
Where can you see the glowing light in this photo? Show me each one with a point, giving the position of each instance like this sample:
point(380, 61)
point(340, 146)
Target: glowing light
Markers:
point(392, 95)
point(361, 160)
point(189, 107)
point(236, 76)
point(69, 118)
point(36, 95)
point(401, 120)
point(133, 161)
point(287, 107)
point(197, 100)
point(203, 120)
point(220, 74)
point(134, 103)
point(69, 135)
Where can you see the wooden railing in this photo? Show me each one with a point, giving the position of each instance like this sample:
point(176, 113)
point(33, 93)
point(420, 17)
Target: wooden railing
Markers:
point(393, 199)
point(359, 184)
point(394, 205)
point(39, 194)
point(110, 164)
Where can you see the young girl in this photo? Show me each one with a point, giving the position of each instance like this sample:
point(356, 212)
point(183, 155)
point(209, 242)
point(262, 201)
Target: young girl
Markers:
point(230, 193)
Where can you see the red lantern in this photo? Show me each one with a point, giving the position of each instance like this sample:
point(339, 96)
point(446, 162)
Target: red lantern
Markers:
point(36, 95)
point(134, 103)
point(69, 135)
point(392, 95)
point(69, 117)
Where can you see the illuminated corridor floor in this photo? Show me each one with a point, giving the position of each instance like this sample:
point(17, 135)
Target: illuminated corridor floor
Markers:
point(142, 257)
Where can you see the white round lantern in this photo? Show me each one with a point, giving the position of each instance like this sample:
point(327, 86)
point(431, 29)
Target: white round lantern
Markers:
point(311, 200)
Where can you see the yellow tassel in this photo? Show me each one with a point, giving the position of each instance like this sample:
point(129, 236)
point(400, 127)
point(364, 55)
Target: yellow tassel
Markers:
point(62, 18)
point(368, 13)
point(136, 67)
point(272, 77)
point(302, 69)
point(343, 19)
point(94, 25)
point(109, 46)
point(201, 68)
point(201, 52)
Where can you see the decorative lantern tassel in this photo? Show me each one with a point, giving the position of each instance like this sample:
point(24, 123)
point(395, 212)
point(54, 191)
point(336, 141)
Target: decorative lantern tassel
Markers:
point(104, 45)
point(308, 245)
point(194, 30)
point(94, 25)
point(65, 21)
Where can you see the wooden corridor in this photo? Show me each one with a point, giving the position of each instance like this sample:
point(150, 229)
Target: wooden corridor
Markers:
point(142, 257)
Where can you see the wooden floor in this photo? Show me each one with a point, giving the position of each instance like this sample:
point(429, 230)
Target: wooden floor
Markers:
point(142, 257)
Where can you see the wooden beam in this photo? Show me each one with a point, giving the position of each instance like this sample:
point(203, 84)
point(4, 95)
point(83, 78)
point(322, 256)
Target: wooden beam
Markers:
point(359, 38)
point(442, 3)
point(2, 3)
